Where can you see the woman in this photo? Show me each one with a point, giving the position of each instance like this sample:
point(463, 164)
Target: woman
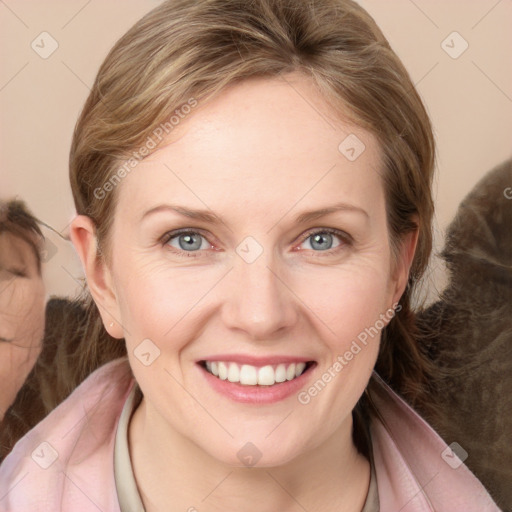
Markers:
point(253, 189)
point(57, 371)
point(22, 298)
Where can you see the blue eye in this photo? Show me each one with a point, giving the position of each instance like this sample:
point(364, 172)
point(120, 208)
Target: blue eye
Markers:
point(322, 240)
point(189, 243)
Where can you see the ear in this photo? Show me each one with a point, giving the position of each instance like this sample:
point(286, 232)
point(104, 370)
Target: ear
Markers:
point(99, 277)
point(402, 266)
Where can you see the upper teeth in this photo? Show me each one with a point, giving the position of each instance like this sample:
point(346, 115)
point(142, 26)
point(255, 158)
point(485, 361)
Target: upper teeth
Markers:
point(249, 375)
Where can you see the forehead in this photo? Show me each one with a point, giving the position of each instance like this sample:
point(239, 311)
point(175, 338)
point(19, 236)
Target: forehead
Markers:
point(14, 250)
point(259, 143)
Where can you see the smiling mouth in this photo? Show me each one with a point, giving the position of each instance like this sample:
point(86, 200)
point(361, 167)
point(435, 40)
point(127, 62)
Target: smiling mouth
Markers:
point(249, 375)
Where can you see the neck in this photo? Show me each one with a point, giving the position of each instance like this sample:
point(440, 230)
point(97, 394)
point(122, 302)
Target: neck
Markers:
point(169, 468)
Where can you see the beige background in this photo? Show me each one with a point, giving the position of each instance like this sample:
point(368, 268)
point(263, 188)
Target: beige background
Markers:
point(469, 98)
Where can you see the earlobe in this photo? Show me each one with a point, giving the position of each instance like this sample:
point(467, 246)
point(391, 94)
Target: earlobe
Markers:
point(98, 275)
point(408, 246)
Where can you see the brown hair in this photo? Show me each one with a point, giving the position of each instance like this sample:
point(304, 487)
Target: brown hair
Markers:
point(189, 50)
point(16, 219)
point(59, 369)
point(64, 361)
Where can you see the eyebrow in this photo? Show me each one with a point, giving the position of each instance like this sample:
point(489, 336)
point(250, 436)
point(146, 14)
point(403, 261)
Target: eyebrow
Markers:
point(211, 218)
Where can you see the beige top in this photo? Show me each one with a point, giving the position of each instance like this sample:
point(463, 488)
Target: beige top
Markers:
point(127, 492)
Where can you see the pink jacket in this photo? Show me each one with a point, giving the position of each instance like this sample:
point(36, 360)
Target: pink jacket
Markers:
point(66, 462)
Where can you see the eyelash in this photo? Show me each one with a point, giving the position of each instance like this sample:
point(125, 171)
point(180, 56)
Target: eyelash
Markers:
point(16, 272)
point(345, 239)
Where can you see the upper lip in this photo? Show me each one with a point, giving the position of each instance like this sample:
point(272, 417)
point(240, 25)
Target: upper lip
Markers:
point(256, 360)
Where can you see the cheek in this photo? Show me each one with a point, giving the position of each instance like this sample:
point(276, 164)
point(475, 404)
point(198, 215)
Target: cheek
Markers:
point(23, 314)
point(345, 300)
point(156, 300)
point(347, 305)
point(16, 362)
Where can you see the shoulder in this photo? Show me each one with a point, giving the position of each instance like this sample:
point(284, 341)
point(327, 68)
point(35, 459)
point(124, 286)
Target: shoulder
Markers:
point(67, 458)
point(414, 466)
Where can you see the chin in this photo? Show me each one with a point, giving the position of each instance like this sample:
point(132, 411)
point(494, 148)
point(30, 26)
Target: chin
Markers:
point(260, 454)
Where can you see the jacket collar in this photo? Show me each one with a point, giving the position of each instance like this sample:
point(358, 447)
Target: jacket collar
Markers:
point(413, 474)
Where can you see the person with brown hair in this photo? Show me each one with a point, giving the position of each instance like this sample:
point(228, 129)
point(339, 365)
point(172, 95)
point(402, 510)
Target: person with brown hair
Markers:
point(57, 371)
point(41, 340)
point(253, 191)
point(22, 297)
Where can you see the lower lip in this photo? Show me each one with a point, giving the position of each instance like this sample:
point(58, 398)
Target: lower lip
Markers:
point(257, 394)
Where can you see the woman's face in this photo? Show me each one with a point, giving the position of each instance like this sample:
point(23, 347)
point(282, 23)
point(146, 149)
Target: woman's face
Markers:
point(261, 288)
point(22, 308)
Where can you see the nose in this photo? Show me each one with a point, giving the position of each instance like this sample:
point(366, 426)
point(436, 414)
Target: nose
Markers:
point(258, 300)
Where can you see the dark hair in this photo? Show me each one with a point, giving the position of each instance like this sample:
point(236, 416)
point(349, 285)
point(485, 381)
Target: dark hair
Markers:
point(15, 218)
